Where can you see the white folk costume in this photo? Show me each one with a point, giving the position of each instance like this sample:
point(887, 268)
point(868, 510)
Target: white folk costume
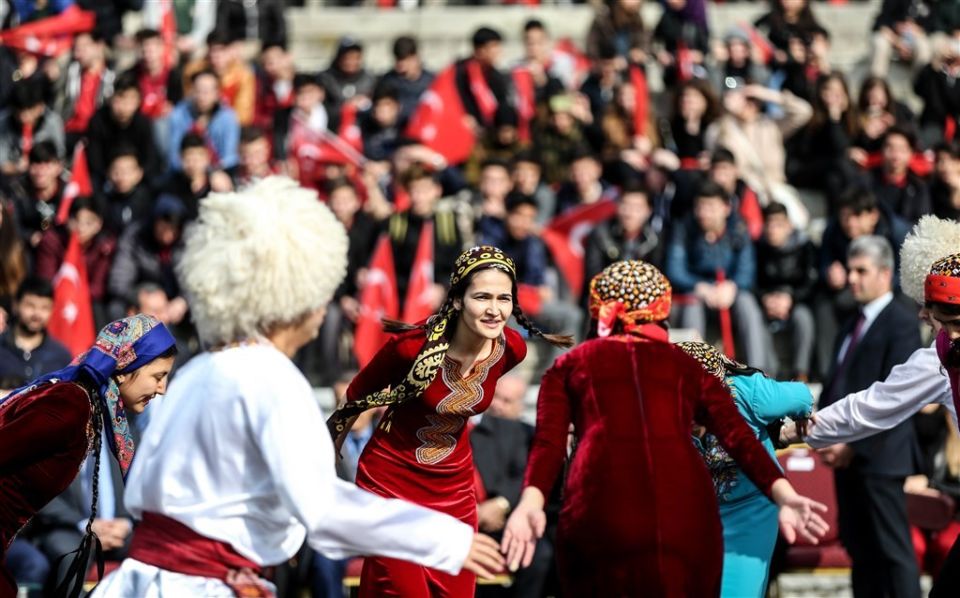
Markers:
point(236, 468)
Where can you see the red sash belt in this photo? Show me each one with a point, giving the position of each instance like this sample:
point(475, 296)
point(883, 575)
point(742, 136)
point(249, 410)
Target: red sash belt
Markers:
point(168, 544)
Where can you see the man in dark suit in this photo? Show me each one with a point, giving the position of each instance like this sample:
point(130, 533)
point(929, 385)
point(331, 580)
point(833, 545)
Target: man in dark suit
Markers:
point(60, 524)
point(501, 445)
point(870, 472)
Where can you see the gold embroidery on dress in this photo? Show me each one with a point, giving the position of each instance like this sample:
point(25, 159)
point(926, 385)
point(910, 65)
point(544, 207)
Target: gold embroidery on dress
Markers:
point(440, 437)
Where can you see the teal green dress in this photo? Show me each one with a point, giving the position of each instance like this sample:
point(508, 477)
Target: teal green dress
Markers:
point(749, 518)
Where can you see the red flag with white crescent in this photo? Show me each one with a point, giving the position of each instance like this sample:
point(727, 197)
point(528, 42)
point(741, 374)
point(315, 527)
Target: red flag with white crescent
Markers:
point(439, 120)
point(72, 320)
point(564, 237)
point(80, 184)
point(378, 299)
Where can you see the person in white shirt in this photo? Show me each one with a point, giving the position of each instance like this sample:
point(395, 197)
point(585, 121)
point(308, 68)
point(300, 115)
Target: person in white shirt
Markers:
point(236, 468)
point(930, 274)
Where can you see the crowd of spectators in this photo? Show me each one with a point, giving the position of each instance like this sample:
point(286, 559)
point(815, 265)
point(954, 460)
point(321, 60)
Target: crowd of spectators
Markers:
point(710, 180)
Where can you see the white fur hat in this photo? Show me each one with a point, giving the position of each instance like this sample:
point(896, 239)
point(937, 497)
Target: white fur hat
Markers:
point(268, 254)
point(930, 240)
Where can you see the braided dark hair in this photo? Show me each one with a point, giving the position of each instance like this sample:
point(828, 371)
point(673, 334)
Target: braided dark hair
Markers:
point(90, 546)
point(564, 341)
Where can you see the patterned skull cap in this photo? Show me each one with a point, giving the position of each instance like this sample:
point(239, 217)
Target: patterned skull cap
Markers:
point(943, 283)
point(481, 257)
point(637, 292)
point(712, 360)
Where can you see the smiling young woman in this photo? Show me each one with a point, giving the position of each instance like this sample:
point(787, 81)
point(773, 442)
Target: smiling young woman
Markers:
point(439, 374)
point(49, 427)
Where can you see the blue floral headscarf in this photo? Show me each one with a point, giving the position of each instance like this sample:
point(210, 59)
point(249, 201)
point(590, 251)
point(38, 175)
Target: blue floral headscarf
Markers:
point(121, 347)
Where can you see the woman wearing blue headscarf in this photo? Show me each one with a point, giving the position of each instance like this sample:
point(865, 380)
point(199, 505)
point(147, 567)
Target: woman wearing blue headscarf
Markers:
point(48, 427)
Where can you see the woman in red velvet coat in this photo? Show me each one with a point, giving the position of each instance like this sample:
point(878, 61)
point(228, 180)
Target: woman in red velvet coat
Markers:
point(639, 515)
point(439, 375)
point(48, 428)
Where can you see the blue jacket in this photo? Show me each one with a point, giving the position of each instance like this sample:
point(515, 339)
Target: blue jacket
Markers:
point(223, 131)
point(692, 260)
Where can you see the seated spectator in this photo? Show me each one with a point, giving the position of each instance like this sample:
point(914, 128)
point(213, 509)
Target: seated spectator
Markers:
point(878, 110)
point(757, 140)
point(620, 21)
point(404, 228)
point(501, 446)
point(585, 185)
point(516, 235)
point(161, 86)
point(26, 351)
point(945, 190)
point(255, 162)
point(346, 80)
point(196, 178)
point(627, 145)
point(26, 123)
point(148, 251)
point(407, 76)
point(786, 278)
point(743, 199)
point(299, 129)
point(323, 361)
point(380, 126)
point(120, 123)
point(936, 86)
point(494, 187)
point(603, 78)
point(86, 221)
point(61, 524)
point(695, 106)
point(808, 59)
point(896, 187)
point(202, 112)
point(527, 177)
point(819, 156)
point(627, 236)
point(899, 34)
point(561, 136)
point(126, 197)
point(238, 86)
point(738, 58)
point(274, 84)
point(787, 19)
point(85, 85)
point(500, 142)
point(551, 71)
point(13, 260)
point(36, 195)
point(22, 65)
point(482, 87)
point(711, 259)
point(858, 214)
point(253, 20)
point(683, 41)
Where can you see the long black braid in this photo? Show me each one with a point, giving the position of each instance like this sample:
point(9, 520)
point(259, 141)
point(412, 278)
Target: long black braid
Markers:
point(558, 340)
point(90, 546)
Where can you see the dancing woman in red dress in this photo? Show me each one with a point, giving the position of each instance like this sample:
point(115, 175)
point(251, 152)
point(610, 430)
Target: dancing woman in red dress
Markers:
point(639, 515)
point(48, 428)
point(437, 376)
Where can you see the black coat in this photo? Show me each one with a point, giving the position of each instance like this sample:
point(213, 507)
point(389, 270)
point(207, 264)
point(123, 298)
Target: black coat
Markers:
point(791, 269)
point(500, 451)
point(910, 202)
point(889, 341)
point(105, 135)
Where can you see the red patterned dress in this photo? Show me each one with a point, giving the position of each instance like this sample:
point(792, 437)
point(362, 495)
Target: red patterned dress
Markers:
point(420, 452)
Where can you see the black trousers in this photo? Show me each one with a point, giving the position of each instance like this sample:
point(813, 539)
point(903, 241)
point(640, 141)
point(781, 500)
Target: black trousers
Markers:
point(875, 531)
point(947, 584)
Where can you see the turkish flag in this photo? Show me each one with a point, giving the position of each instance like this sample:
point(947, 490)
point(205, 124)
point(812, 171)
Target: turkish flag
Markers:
point(79, 185)
point(72, 320)
point(349, 129)
point(525, 87)
point(378, 300)
point(564, 238)
point(581, 63)
point(168, 31)
point(418, 305)
point(51, 36)
point(440, 122)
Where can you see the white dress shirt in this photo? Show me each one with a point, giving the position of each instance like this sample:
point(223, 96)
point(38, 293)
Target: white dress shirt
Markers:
point(915, 383)
point(238, 451)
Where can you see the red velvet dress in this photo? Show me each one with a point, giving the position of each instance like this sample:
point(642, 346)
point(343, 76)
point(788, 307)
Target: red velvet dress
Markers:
point(43, 442)
point(639, 515)
point(420, 452)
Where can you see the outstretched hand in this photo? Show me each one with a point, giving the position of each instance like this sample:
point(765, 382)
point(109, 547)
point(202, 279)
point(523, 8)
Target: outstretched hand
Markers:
point(523, 529)
point(801, 517)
